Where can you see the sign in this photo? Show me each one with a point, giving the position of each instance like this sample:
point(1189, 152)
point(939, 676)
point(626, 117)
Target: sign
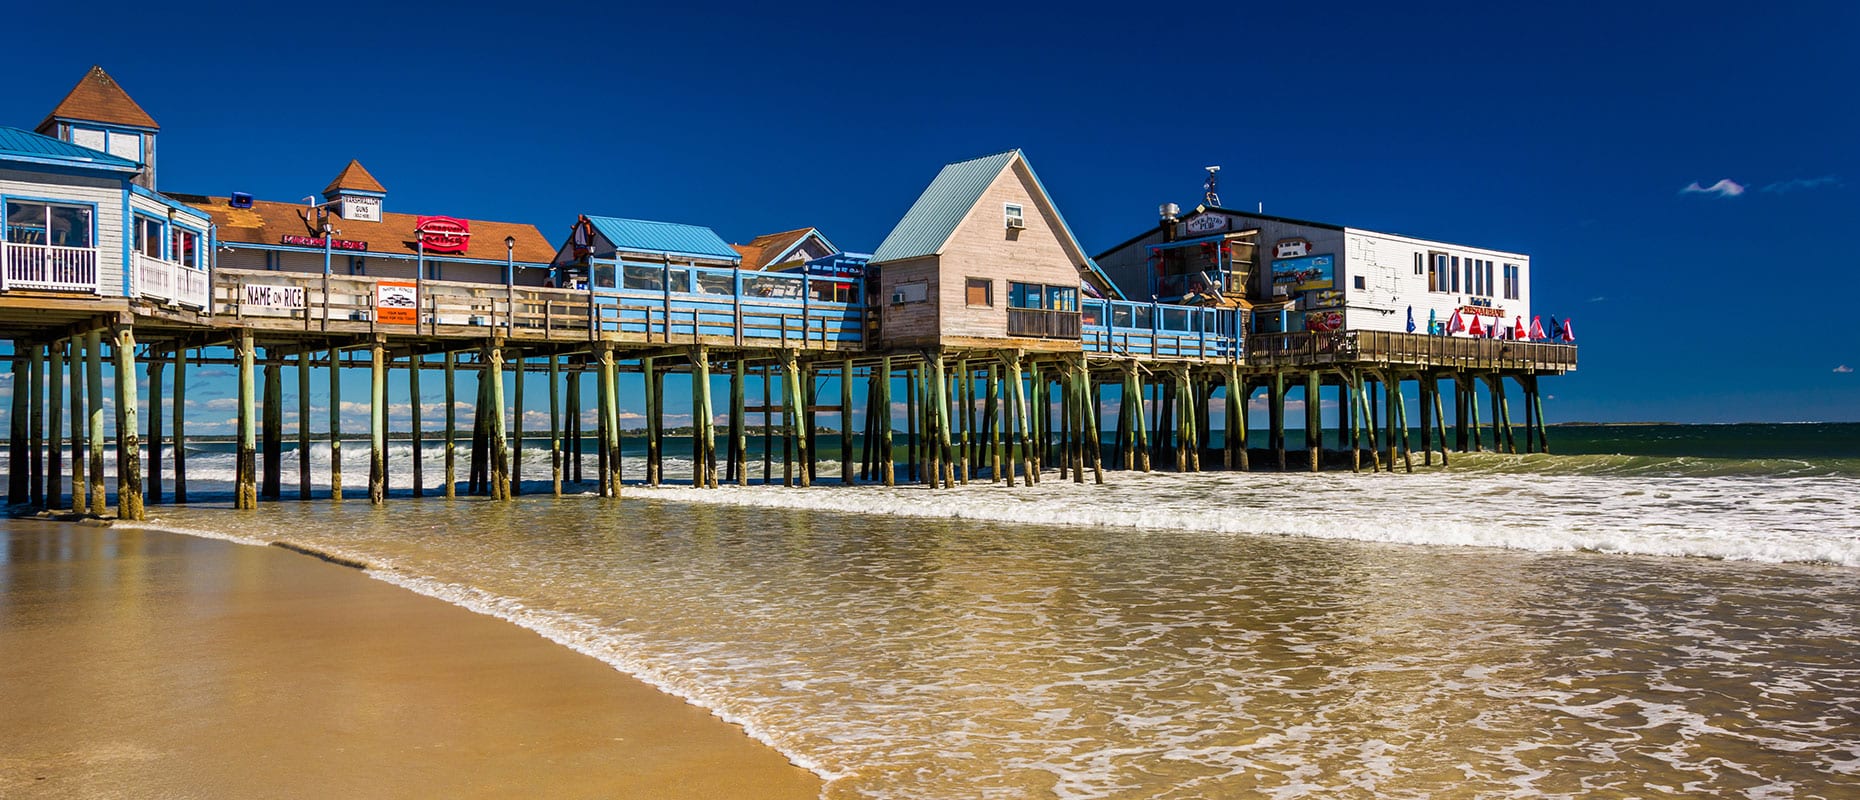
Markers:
point(443, 234)
point(837, 268)
point(397, 302)
point(1328, 298)
point(1323, 321)
point(317, 241)
point(1304, 274)
point(257, 294)
point(1292, 248)
point(1483, 311)
point(361, 209)
point(1209, 223)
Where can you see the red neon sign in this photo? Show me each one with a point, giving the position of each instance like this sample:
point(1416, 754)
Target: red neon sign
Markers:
point(443, 234)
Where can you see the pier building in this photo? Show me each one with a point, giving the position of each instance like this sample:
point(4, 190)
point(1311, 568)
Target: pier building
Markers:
point(981, 317)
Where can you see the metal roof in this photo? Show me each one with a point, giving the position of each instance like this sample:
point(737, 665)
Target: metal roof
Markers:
point(670, 238)
point(26, 146)
point(942, 207)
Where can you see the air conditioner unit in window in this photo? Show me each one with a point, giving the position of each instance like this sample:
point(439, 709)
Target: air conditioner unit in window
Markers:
point(1016, 223)
point(897, 298)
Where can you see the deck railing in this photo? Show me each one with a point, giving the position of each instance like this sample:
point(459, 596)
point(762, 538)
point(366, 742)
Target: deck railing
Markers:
point(1160, 330)
point(687, 305)
point(48, 267)
point(1041, 323)
point(1398, 349)
point(169, 282)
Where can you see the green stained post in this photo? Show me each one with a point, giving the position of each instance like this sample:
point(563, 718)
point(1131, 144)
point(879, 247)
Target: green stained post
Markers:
point(1230, 421)
point(946, 443)
point(574, 425)
point(791, 369)
point(1501, 407)
point(55, 399)
point(1278, 416)
point(1543, 430)
point(965, 403)
point(1440, 419)
point(272, 434)
point(516, 422)
point(704, 465)
point(500, 437)
point(335, 425)
point(1023, 425)
point(649, 374)
point(19, 438)
point(1314, 429)
point(377, 423)
point(303, 424)
point(416, 434)
point(739, 421)
point(1088, 399)
point(36, 410)
point(555, 423)
point(452, 424)
point(911, 420)
point(245, 463)
point(883, 408)
point(1364, 405)
point(1348, 409)
point(846, 425)
point(1423, 386)
point(80, 422)
point(1141, 420)
point(151, 496)
point(991, 422)
point(93, 357)
point(1401, 416)
point(1472, 410)
point(129, 451)
point(610, 416)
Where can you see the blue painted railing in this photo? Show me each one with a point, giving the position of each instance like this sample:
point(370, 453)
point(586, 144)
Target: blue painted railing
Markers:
point(681, 302)
point(1160, 330)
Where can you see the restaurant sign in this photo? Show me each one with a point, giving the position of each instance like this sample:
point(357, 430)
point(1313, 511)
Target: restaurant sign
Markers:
point(443, 234)
point(262, 296)
point(1483, 311)
point(1209, 223)
point(318, 241)
point(397, 302)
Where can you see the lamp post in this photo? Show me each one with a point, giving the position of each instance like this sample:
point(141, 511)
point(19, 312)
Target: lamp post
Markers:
point(510, 282)
point(329, 238)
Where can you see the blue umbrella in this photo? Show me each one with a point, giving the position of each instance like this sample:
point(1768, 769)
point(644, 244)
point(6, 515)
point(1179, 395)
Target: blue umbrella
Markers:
point(1431, 324)
point(1556, 328)
point(1411, 319)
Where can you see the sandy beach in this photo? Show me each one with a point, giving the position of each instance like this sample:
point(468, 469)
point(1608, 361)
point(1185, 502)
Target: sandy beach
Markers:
point(144, 664)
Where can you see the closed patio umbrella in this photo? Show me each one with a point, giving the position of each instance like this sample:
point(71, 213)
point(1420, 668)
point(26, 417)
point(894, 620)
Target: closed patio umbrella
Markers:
point(1475, 328)
point(1431, 324)
point(1537, 328)
point(1456, 323)
point(1411, 319)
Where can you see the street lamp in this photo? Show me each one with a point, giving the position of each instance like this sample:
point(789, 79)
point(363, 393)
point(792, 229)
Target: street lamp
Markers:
point(510, 280)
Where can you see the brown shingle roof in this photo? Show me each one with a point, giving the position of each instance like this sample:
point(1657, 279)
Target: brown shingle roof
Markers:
point(355, 177)
point(267, 222)
point(98, 98)
point(768, 246)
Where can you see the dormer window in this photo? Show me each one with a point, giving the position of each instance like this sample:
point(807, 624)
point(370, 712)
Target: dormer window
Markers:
point(1012, 213)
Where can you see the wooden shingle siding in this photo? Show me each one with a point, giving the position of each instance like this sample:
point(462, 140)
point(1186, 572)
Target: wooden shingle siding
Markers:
point(909, 323)
point(984, 247)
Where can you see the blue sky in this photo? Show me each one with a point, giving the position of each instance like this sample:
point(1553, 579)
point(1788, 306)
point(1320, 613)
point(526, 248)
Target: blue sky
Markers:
point(1570, 132)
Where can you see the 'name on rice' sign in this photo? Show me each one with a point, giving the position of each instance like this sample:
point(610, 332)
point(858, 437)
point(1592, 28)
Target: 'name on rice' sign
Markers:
point(286, 297)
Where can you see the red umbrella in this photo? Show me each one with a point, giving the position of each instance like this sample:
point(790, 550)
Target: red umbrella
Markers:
point(1569, 331)
point(1537, 328)
point(1456, 324)
point(1475, 329)
point(1519, 332)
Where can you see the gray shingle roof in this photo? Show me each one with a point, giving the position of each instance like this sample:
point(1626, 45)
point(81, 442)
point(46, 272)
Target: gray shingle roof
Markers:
point(941, 208)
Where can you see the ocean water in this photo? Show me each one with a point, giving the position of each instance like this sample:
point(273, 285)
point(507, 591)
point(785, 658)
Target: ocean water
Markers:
point(1647, 619)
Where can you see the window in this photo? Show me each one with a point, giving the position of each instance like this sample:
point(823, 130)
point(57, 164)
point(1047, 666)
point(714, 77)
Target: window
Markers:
point(1420, 268)
point(1453, 269)
point(1362, 283)
point(183, 248)
point(1513, 281)
point(1042, 296)
point(980, 292)
point(148, 235)
point(47, 223)
point(1437, 272)
point(1013, 215)
point(1488, 279)
point(912, 292)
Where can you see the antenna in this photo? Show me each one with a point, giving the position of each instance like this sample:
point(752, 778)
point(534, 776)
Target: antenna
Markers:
point(1213, 183)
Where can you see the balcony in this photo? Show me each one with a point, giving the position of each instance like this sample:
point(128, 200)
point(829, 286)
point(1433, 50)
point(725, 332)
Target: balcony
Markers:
point(168, 282)
point(48, 268)
point(1039, 323)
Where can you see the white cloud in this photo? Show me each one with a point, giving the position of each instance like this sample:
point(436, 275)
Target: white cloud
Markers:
point(1725, 187)
point(1843, 369)
point(1797, 184)
point(1598, 298)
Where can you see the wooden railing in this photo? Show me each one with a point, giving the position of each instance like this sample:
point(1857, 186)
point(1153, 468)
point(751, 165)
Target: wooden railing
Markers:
point(1161, 330)
point(1400, 349)
point(169, 282)
point(344, 302)
point(48, 267)
point(1043, 323)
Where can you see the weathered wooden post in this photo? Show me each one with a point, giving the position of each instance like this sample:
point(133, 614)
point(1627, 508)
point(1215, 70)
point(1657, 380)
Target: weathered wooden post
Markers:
point(945, 443)
point(1501, 414)
point(452, 424)
point(1314, 427)
point(791, 369)
point(1277, 415)
point(610, 419)
point(1543, 430)
point(36, 443)
point(180, 419)
point(80, 424)
point(416, 427)
point(1472, 409)
point(1440, 418)
point(19, 438)
point(245, 461)
point(152, 495)
point(739, 421)
point(1424, 388)
point(303, 425)
point(129, 453)
point(846, 429)
point(377, 422)
point(518, 373)
point(335, 425)
point(555, 423)
point(500, 441)
point(1023, 424)
point(574, 424)
point(703, 421)
point(965, 403)
point(55, 398)
point(991, 421)
point(768, 426)
point(1401, 415)
point(883, 407)
point(93, 365)
point(1368, 419)
point(272, 438)
point(1348, 409)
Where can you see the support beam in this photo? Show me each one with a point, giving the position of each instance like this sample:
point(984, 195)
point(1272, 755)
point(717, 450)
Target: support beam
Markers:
point(335, 425)
point(516, 421)
point(303, 425)
point(129, 453)
point(555, 423)
point(377, 423)
point(500, 441)
point(272, 435)
point(80, 425)
point(1440, 418)
point(846, 424)
point(739, 421)
point(36, 445)
point(152, 495)
point(245, 461)
point(19, 437)
point(54, 398)
point(1314, 428)
point(610, 418)
point(415, 425)
point(655, 423)
point(1278, 416)
point(791, 368)
point(452, 424)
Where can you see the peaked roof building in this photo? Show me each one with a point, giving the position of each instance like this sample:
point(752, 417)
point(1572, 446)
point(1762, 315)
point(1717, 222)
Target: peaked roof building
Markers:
point(97, 97)
point(775, 251)
point(354, 177)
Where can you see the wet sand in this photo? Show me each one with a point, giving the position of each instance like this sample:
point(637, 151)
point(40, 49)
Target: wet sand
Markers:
point(144, 664)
